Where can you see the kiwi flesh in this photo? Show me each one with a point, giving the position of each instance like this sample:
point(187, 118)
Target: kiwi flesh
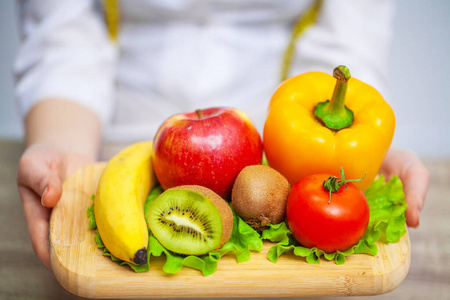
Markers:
point(259, 196)
point(190, 220)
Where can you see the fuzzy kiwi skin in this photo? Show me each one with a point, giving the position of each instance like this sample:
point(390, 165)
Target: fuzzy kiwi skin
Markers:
point(259, 196)
point(221, 205)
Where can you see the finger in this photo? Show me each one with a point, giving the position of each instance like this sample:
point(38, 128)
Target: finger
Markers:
point(416, 181)
point(36, 174)
point(412, 217)
point(37, 218)
point(53, 192)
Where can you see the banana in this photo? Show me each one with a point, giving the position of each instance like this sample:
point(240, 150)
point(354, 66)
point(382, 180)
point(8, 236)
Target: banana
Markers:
point(119, 202)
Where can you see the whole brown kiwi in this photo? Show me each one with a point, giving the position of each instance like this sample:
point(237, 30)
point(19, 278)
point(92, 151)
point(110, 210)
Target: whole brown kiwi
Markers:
point(259, 196)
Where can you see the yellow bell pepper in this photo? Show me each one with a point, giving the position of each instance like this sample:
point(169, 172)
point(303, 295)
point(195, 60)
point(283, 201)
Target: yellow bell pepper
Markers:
point(318, 123)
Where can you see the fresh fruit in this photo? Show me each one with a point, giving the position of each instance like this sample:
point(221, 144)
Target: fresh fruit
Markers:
point(206, 147)
point(326, 212)
point(259, 196)
point(119, 202)
point(190, 220)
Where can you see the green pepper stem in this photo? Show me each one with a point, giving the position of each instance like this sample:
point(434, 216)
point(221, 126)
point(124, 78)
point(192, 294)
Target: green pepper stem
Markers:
point(333, 184)
point(333, 113)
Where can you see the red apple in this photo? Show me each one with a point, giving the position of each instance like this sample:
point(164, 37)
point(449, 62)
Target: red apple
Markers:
point(206, 147)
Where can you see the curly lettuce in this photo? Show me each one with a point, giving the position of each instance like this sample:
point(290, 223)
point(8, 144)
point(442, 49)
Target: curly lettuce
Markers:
point(387, 224)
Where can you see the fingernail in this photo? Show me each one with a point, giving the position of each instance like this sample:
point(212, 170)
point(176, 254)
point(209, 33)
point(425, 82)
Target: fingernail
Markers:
point(418, 219)
point(42, 197)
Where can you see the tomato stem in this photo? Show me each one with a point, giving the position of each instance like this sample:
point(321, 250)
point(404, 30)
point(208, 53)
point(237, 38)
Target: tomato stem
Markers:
point(333, 184)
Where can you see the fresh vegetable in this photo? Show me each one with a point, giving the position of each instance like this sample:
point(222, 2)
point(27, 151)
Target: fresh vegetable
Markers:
point(318, 123)
point(119, 202)
point(259, 196)
point(191, 220)
point(326, 212)
point(206, 147)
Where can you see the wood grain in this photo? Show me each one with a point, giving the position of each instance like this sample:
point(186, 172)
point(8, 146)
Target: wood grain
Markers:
point(81, 269)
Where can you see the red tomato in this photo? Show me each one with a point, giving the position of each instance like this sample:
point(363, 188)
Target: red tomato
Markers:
point(333, 224)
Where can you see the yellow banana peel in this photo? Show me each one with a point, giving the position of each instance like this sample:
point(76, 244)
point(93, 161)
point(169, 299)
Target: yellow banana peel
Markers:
point(119, 202)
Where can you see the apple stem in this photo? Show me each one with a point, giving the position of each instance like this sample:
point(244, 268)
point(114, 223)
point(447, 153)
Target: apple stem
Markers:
point(198, 112)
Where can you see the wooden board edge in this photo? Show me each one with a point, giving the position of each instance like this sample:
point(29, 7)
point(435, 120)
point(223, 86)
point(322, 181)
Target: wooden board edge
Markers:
point(76, 282)
point(389, 281)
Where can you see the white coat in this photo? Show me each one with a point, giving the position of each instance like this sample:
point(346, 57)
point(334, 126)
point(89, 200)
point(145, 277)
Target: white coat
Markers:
point(176, 56)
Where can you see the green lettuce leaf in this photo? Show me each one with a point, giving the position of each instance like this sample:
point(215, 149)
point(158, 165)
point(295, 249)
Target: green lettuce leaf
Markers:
point(91, 215)
point(387, 224)
point(243, 240)
point(387, 210)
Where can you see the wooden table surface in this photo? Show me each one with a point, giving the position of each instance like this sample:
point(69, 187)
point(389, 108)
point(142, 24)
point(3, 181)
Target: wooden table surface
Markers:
point(23, 276)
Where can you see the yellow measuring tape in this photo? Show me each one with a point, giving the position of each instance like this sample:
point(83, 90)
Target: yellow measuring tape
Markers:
point(111, 10)
point(112, 18)
point(300, 26)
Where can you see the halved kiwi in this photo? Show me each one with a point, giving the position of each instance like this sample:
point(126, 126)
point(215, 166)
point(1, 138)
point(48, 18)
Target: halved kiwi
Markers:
point(190, 220)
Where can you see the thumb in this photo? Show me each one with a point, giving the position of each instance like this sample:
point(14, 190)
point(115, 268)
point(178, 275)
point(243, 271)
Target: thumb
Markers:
point(42, 177)
point(52, 192)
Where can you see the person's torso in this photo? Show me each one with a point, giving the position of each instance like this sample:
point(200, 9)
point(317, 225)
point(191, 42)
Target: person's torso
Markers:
point(177, 56)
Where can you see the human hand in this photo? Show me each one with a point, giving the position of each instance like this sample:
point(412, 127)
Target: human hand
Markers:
point(42, 170)
point(414, 176)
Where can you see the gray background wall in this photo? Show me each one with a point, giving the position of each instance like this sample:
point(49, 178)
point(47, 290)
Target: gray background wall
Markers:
point(419, 65)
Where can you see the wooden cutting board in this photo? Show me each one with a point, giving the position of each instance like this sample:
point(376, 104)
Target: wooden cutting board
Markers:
point(80, 267)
